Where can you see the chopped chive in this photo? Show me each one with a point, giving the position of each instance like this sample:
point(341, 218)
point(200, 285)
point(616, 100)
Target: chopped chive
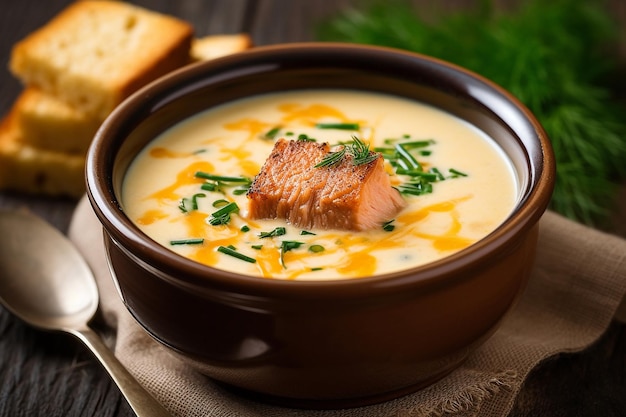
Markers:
point(209, 186)
point(189, 204)
point(191, 241)
point(222, 178)
point(426, 153)
point(229, 251)
point(220, 203)
point(198, 151)
point(416, 188)
point(341, 126)
point(257, 247)
point(306, 232)
point(318, 268)
point(388, 226)
point(428, 176)
point(183, 205)
point(407, 157)
point(240, 191)
point(438, 173)
point(279, 231)
point(194, 200)
point(401, 164)
point(271, 134)
point(417, 144)
point(222, 216)
point(303, 137)
point(286, 246)
point(245, 228)
point(289, 134)
point(316, 248)
point(456, 173)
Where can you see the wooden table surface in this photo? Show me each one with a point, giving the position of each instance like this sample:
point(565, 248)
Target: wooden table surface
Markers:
point(49, 374)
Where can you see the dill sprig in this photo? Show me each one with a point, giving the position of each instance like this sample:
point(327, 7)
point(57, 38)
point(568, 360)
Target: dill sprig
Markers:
point(552, 55)
point(359, 150)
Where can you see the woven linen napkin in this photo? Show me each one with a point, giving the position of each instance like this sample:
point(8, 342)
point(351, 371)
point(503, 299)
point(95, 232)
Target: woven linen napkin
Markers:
point(577, 284)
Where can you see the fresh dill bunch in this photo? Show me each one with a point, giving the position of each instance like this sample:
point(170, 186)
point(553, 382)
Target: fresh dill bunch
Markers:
point(554, 56)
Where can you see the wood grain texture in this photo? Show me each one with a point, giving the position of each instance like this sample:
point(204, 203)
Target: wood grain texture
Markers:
point(45, 374)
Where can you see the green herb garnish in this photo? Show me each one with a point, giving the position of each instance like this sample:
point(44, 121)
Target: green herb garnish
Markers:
point(332, 158)
point(316, 248)
point(271, 134)
point(220, 203)
point(232, 252)
point(407, 157)
point(191, 241)
point(340, 126)
point(388, 226)
point(279, 231)
point(216, 182)
point(456, 173)
point(222, 216)
point(359, 150)
point(286, 246)
point(303, 137)
point(190, 204)
point(221, 178)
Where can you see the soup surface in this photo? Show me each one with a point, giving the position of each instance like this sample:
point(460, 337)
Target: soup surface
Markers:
point(187, 188)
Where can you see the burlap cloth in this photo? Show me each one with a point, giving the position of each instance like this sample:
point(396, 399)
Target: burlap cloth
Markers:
point(576, 287)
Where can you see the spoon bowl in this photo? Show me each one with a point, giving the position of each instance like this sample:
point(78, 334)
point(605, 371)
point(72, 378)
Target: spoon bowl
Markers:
point(48, 284)
point(67, 298)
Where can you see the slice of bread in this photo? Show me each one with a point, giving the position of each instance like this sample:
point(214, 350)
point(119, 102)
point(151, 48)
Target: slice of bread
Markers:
point(93, 54)
point(215, 46)
point(27, 169)
point(49, 123)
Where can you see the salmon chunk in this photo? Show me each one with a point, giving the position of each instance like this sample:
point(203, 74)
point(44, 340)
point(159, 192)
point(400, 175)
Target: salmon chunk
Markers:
point(342, 196)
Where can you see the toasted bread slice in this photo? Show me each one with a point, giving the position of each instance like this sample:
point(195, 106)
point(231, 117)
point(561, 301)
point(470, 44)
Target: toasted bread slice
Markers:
point(27, 169)
point(49, 123)
point(93, 54)
point(215, 46)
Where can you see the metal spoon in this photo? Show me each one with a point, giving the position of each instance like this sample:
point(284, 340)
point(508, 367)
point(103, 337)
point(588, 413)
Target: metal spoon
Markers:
point(45, 282)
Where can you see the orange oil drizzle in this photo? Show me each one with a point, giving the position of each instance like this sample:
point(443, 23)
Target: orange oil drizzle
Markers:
point(151, 216)
point(160, 152)
point(312, 114)
point(255, 128)
point(185, 177)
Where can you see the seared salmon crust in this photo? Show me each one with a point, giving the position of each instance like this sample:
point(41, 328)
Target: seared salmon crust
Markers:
point(343, 196)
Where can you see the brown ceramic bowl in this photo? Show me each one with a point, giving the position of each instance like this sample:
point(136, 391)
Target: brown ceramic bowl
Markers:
point(332, 343)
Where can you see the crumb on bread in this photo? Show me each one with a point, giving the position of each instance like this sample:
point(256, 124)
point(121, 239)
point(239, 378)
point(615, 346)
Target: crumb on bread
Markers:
point(49, 123)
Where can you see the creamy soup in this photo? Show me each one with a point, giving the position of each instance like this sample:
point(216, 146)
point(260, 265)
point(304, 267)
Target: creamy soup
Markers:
point(461, 186)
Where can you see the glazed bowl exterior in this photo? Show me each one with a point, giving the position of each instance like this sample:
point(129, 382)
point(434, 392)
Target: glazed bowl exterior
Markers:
point(322, 344)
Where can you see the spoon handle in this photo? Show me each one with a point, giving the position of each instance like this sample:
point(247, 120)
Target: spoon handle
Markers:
point(140, 400)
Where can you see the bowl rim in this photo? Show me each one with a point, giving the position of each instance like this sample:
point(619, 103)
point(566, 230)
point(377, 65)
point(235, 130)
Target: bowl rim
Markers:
point(125, 233)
